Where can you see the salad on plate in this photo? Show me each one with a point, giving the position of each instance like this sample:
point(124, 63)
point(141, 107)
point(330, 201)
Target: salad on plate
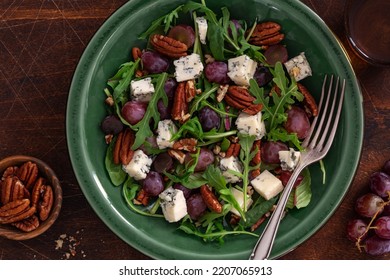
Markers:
point(204, 124)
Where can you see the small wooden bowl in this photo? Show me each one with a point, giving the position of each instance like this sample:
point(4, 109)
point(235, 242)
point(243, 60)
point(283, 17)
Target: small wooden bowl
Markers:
point(46, 172)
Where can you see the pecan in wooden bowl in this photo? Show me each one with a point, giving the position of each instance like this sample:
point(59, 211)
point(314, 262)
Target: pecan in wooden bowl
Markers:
point(30, 197)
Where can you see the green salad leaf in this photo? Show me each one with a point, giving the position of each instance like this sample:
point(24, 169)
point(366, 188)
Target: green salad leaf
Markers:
point(300, 196)
point(115, 171)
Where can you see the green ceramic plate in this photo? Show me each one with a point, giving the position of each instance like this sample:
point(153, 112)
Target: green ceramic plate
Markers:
point(111, 46)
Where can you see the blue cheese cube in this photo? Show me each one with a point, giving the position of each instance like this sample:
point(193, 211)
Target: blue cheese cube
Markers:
point(267, 185)
point(241, 69)
point(251, 125)
point(173, 204)
point(139, 165)
point(298, 67)
point(165, 130)
point(289, 159)
point(202, 29)
point(188, 67)
point(142, 90)
point(239, 196)
point(227, 165)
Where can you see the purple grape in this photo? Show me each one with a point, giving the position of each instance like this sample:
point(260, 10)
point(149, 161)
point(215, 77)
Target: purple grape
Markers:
point(153, 184)
point(216, 72)
point(162, 162)
point(206, 157)
point(196, 206)
point(183, 33)
point(150, 143)
point(276, 53)
point(386, 167)
point(111, 125)
point(368, 205)
point(380, 184)
point(154, 63)
point(237, 25)
point(187, 192)
point(356, 229)
point(297, 122)
point(165, 111)
point(285, 175)
point(382, 227)
point(376, 246)
point(386, 210)
point(170, 88)
point(262, 76)
point(133, 111)
point(270, 151)
point(209, 119)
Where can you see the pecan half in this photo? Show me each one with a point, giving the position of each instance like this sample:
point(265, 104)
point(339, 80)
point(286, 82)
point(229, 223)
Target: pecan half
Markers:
point(180, 106)
point(28, 224)
point(240, 98)
point(46, 202)
point(10, 171)
point(36, 191)
point(142, 198)
point(186, 144)
point(12, 189)
point(266, 34)
point(309, 102)
point(28, 173)
point(178, 155)
point(15, 211)
point(210, 199)
point(136, 53)
point(168, 46)
point(190, 90)
point(257, 158)
point(233, 150)
point(123, 153)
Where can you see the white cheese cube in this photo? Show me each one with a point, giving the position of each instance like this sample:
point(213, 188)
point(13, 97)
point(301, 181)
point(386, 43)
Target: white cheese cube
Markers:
point(251, 125)
point(230, 163)
point(241, 69)
point(173, 204)
point(202, 29)
point(188, 67)
point(289, 159)
point(239, 196)
point(139, 165)
point(298, 67)
point(267, 185)
point(141, 90)
point(165, 130)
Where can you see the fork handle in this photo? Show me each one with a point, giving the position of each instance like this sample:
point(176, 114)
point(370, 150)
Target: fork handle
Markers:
point(263, 246)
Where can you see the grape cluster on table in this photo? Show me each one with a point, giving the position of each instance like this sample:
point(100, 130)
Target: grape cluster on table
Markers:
point(371, 230)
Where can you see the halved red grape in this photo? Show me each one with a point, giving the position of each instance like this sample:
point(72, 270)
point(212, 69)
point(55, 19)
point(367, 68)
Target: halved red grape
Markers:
point(154, 63)
point(153, 183)
point(285, 175)
point(165, 111)
point(270, 151)
point(183, 33)
point(111, 125)
point(382, 227)
point(297, 122)
point(368, 205)
point(380, 184)
point(133, 111)
point(209, 119)
point(376, 246)
point(356, 228)
point(170, 87)
point(276, 53)
point(216, 72)
point(162, 162)
point(196, 206)
point(262, 76)
point(206, 157)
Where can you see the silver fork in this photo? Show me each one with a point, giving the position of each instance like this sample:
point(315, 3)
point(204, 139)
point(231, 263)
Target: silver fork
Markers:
point(316, 146)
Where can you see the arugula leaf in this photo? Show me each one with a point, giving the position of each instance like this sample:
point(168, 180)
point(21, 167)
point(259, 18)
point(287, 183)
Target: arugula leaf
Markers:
point(143, 126)
point(115, 171)
point(195, 104)
point(193, 6)
point(300, 196)
point(167, 20)
point(260, 207)
point(192, 126)
point(280, 134)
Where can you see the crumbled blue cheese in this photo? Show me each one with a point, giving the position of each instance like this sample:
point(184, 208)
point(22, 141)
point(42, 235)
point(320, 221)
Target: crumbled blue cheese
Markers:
point(165, 130)
point(173, 204)
point(188, 67)
point(298, 67)
point(230, 164)
point(241, 69)
point(239, 196)
point(251, 125)
point(289, 159)
point(142, 90)
point(202, 29)
point(267, 185)
point(139, 165)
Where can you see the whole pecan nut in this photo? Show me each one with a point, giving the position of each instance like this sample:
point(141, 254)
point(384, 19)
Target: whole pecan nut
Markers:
point(15, 211)
point(210, 199)
point(240, 98)
point(122, 153)
point(12, 189)
point(180, 106)
point(309, 102)
point(28, 224)
point(168, 46)
point(266, 34)
point(28, 173)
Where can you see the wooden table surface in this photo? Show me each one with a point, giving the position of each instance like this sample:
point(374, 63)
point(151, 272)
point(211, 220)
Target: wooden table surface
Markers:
point(40, 44)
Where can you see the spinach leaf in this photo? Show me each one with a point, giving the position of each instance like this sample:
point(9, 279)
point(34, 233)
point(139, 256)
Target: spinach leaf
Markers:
point(215, 36)
point(300, 196)
point(257, 211)
point(115, 171)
